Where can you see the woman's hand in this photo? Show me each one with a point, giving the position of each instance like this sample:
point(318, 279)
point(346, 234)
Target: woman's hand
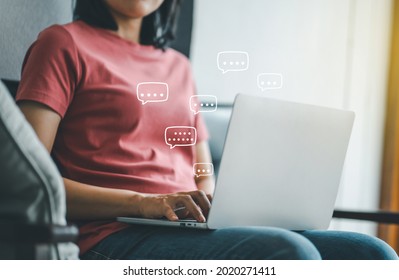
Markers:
point(196, 204)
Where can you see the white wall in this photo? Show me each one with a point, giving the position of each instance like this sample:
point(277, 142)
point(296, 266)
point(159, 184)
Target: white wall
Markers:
point(330, 52)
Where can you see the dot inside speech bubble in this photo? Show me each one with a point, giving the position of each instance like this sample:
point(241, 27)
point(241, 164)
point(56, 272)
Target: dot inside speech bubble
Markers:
point(270, 81)
point(203, 103)
point(152, 92)
point(203, 169)
point(180, 136)
point(232, 61)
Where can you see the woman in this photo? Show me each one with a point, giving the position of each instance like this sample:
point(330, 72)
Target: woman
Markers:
point(78, 91)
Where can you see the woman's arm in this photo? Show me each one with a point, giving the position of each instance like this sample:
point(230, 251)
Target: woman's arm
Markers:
point(93, 202)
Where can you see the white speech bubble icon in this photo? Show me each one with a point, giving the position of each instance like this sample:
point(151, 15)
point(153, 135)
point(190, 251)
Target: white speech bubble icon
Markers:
point(232, 61)
point(152, 92)
point(268, 81)
point(203, 103)
point(203, 169)
point(180, 136)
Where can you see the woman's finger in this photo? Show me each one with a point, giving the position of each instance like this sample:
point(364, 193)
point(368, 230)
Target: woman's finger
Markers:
point(170, 214)
point(202, 200)
point(191, 206)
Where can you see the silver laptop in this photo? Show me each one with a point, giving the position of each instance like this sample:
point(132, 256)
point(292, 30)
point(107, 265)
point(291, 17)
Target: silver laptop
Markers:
point(281, 167)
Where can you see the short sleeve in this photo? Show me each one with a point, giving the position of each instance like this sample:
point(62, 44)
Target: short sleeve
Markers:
point(50, 70)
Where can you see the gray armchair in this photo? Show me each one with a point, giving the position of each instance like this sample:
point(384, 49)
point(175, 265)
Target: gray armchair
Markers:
point(32, 199)
point(32, 195)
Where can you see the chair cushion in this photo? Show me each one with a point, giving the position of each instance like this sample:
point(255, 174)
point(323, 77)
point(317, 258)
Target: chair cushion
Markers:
point(31, 188)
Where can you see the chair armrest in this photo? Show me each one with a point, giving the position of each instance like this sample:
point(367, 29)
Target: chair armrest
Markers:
point(31, 233)
point(385, 217)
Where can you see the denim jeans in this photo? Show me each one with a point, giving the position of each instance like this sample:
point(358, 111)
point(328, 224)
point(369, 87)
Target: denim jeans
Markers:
point(240, 243)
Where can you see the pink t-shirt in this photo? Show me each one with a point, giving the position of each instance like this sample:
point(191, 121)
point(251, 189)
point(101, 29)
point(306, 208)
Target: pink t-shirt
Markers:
point(110, 135)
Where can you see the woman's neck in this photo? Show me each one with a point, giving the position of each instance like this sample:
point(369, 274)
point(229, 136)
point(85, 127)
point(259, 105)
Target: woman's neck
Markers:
point(128, 28)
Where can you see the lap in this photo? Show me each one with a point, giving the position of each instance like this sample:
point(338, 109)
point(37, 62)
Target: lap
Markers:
point(151, 242)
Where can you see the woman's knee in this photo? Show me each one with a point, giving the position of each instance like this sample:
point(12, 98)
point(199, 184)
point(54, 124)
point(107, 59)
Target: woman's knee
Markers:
point(270, 243)
point(343, 245)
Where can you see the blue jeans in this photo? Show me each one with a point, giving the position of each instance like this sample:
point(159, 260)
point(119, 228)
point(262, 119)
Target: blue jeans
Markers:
point(240, 243)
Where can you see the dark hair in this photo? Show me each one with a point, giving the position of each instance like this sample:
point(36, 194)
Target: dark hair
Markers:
point(158, 28)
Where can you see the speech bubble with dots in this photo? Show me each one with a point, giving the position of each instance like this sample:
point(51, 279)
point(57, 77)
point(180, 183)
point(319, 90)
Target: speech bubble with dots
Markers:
point(267, 81)
point(203, 103)
point(180, 136)
point(149, 92)
point(232, 61)
point(203, 169)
